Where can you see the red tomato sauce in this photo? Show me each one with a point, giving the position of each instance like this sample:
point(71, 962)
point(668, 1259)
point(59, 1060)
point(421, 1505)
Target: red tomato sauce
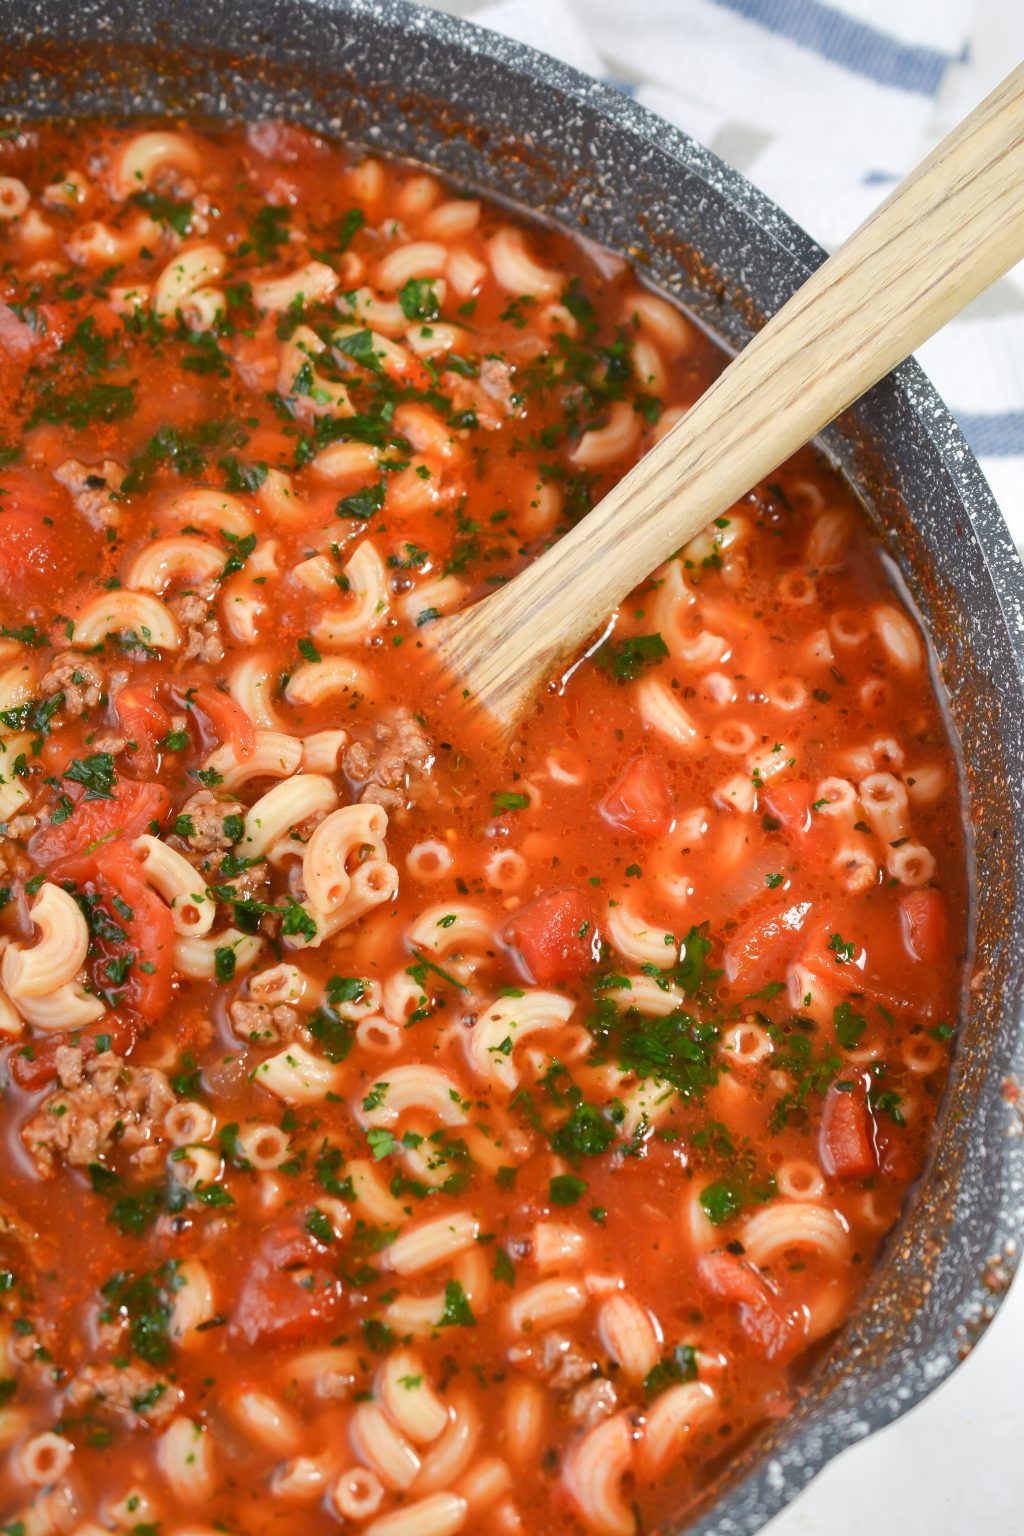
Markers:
point(401, 1136)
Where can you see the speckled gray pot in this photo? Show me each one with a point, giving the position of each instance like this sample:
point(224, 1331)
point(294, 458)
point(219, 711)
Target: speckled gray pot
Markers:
point(498, 115)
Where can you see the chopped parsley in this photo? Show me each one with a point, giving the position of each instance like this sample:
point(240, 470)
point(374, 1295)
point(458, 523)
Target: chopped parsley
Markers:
point(81, 408)
point(506, 800)
point(679, 1365)
point(175, 215)
point(625, 660)
point(843, 951)
point(849, 1026)
point(224, 960)
point(362, 505)
point(419, 301)
point(566, 1189)
point(457, 1311)
point(318, 1226)
point(586, 1133)
point(97, 774)
point(145, 1303)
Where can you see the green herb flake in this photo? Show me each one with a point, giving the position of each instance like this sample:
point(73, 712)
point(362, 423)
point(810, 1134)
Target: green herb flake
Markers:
point(457, 1311)
point(849, 1026)
point(419, 300)
point(507, 801)
point(566, 1189)
point(625, 660)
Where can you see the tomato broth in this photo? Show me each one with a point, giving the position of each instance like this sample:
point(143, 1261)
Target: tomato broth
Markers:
point(402, 1135)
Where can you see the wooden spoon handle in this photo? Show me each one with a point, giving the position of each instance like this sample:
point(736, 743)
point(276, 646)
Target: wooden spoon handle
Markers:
point(948, 231)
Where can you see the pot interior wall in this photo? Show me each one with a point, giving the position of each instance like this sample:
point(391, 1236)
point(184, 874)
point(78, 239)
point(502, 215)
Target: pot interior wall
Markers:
point(495, 116)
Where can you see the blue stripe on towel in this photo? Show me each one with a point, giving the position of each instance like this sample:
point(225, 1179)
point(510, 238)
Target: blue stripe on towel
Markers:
point(999, 434)
point(853, 44)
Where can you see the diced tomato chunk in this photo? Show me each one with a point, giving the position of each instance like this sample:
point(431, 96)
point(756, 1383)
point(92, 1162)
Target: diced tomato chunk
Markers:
point(844, 1137)
point(555, 936)
point(231, 725)
point(790, 804)
point(136, 805)
point(924, 924)
point(35, 1066)
point(639, 800)
point(38, 329)
point(759, 1312)
point(762, 947)
point(37, 547)
point(898, 1156)
point(144, 721)
point(145, 920)
point(859, 948)
point(19, 337)
point(288, 1293)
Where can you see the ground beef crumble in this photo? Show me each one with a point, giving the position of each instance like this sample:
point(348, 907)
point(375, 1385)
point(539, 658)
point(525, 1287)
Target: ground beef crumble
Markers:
point(391, 767)
point(491, 396)
point(194, 613)
point(557, 1358)
point(207, 814)
point(101, 1102)
point(594, 1401)
point(78, 677)
point(256, 355)
point(576, 1377)
point(91, 486)
point(261, 1023)
point(135, 1394)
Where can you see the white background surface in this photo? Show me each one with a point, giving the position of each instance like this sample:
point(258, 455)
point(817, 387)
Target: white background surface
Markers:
point(951, 1467)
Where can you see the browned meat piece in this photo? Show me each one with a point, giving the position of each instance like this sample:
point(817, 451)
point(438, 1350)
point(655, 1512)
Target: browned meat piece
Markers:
point(190, 608)
point(90, 486)
point(490, 396)
point(25, 1252)
point(21, 826)
point(199, 621)
point(113, 744)
point(78, 677)
point(207, 815)
point(557, 1358)
point(170, 181)
point(496, 381)
point(70, 1066)
point(249, 884)
point(390, 769)
point(261, 1024)
point(282, 143)
point(257, 356)
point(101, 1102)
point(593, 1402)
point(135, 1394)
point(572, 1367)
point(31, 1339)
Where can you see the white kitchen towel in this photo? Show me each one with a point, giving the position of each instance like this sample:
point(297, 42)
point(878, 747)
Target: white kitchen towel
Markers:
point(824, 106)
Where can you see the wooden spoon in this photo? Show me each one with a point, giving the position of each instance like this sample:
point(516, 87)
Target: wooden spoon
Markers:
point(950, 229)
